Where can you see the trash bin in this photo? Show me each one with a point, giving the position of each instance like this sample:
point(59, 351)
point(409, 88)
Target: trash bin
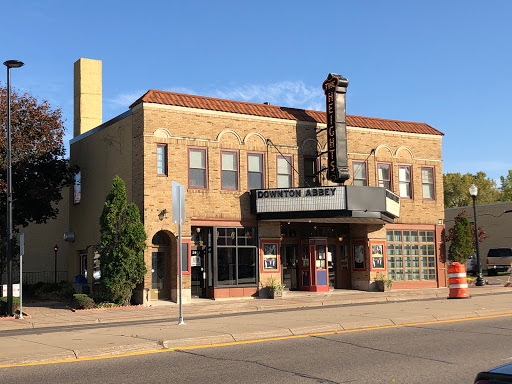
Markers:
point(81, 285)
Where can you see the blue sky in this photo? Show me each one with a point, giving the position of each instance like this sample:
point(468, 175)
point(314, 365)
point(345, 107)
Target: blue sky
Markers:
point(446, 63)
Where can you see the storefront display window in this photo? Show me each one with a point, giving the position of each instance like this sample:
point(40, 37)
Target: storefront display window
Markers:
point(270, 257)
point(236, 256)
point(412, 259)
point(378, 255)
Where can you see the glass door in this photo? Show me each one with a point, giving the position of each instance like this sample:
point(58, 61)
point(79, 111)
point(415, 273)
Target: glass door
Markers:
point(198, 271)
point(305, 272)
point(332, 264)
point(158, 272)
point(289, 263)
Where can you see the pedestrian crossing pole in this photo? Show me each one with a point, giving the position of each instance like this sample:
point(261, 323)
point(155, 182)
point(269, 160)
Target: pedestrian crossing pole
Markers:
point(22, 251)
point(178, 216)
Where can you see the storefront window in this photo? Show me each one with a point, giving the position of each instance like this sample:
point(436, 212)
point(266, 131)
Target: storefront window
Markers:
point(404, 180)
point(427, 183)
point(359, 171)
point(284, 172)
point(229, 174)
point(197, 168)
point(311, 172)
point(384, 172)
point(413, 258)
point(255, 171)
point(236, 256)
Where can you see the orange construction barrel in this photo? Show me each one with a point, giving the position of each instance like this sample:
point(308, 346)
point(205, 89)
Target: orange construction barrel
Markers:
point(457, 281)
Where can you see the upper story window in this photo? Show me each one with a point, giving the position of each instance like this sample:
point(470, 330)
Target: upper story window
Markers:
point(311, 172)
point(254, 171)
point(404, 181)
point(384, 171)
point(284, 171)
point(359, 171)
point(77, 188)
point(161, 159)
point(427, 183)
point(229, 167)
point(197, 168)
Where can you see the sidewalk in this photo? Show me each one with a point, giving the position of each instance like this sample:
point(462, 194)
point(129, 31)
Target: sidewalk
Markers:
point(54, 332)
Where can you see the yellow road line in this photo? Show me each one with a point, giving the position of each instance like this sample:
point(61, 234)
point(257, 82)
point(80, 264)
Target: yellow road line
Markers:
point(250, 341)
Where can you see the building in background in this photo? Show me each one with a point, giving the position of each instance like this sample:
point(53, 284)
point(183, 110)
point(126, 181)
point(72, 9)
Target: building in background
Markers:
point(492, 219)
point(258, 206)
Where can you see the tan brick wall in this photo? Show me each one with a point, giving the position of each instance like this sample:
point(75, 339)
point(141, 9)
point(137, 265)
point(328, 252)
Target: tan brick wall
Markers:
point(87, 95)
point(41, 238)
point(100, 157)
point(182, 129)
point(216, 132)
point(128, 148)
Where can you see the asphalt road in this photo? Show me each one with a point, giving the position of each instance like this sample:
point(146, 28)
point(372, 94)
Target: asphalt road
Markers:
point(450, 352)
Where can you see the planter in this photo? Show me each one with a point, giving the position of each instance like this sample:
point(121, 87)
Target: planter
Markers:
point(382, 286)
point(270, 293)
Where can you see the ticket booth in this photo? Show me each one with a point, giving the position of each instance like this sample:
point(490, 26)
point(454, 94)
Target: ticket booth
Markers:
point(314, 274)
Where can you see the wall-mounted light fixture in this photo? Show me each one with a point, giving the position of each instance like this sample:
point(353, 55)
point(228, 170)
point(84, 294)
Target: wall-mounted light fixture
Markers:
point(163, 214)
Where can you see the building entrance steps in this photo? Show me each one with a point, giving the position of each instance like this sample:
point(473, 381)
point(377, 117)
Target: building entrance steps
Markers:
point(54, 332)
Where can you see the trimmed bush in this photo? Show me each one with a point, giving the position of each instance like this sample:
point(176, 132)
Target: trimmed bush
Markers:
point(81, 301)
point(3, 305)
point(62, 291)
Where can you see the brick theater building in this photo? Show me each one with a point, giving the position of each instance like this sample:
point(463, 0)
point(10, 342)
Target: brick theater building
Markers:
point(270, 193)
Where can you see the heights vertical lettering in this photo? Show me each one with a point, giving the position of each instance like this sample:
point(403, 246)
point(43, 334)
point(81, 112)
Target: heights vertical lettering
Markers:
point(335, 88)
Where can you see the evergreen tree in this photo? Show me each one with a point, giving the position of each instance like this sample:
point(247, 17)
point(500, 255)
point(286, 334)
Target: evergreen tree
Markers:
point(123, 240)
point(506, 187)
point(461, 247)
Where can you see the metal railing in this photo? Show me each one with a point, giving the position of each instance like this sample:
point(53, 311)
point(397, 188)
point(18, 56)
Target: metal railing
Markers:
point(37, 277)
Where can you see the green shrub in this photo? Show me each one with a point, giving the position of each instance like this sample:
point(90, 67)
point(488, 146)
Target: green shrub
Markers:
point(62, 291)
point(3, 305)
point(106, 304)
point(81, 301)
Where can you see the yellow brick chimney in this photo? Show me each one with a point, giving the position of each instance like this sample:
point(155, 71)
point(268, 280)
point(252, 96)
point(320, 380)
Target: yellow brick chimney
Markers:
point(87, 95)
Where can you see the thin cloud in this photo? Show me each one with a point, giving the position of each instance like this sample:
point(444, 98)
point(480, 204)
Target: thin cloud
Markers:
point(125, 99)
point(286, 94)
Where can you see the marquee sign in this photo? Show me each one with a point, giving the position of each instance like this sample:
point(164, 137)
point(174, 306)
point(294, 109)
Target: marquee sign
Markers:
point(335, 88)
point(300, 199)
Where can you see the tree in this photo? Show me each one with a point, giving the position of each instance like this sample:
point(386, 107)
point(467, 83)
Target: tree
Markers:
point(39, 169)
point(456, 189)
point(506, 187)
point(455, 234)
point(461, 247)
point(123, 240)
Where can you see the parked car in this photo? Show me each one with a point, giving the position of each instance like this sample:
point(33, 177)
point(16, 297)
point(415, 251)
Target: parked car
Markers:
point(471, 265)
point(498, 260)
point(501, 374)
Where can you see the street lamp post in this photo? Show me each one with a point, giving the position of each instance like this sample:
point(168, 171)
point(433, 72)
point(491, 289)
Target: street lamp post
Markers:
point(473, 191)
point(55, 249)
point(9, 64)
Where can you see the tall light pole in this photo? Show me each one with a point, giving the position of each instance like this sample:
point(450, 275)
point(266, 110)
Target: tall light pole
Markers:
point(55, 249)
point(9, 64)
point(473, 191)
